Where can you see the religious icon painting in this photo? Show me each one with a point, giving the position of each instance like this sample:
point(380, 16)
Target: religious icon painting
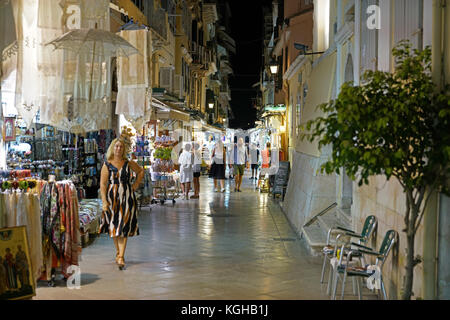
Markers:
point(16, 276)
point(9, 129)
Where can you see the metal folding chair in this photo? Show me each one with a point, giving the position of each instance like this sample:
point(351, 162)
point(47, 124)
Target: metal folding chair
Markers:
point(342, 237)
point(365, 271)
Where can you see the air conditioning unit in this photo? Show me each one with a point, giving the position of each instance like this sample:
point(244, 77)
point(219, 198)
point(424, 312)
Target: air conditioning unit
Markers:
point(166, 78)
point(178, 86)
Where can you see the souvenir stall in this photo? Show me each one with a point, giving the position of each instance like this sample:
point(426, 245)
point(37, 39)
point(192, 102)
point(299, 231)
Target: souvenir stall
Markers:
point(54, 141)
point(275, 123)
point(142, 153)
point(44, 152)
point(163, 174)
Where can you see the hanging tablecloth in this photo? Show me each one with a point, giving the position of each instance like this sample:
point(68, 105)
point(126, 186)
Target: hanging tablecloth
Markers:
point(133, 97)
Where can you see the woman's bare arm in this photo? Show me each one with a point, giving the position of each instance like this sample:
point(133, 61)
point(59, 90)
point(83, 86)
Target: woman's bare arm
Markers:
point(139, 172)
point(104, 186)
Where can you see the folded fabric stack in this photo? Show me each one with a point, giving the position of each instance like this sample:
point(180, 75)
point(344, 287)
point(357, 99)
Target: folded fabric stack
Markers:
point(90, 213)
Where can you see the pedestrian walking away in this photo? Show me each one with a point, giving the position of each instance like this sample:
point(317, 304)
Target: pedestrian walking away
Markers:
point(254, 158)
point(219, 157)
point(186, 170)
point(120, 209)
point(197, 169)
point(240, 155)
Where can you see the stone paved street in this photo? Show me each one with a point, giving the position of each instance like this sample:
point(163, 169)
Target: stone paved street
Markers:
point(193, 251)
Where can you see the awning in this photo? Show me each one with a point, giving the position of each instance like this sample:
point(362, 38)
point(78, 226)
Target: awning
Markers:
point(320, 88)
point(207, 127)
point(165, 111)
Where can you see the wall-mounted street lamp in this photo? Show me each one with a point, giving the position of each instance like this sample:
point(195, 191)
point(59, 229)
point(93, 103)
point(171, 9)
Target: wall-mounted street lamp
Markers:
point(273, 67)
point(303, 48)
point(210, 98)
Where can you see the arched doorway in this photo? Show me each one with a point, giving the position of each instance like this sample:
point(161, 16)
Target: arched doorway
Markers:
point(349, 75)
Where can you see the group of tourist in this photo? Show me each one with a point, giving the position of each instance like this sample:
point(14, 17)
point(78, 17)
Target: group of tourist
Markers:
point(120, 209)
point(236, 156)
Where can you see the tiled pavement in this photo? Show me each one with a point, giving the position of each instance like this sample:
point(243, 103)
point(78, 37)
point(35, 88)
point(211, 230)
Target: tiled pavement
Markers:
point(193, 251)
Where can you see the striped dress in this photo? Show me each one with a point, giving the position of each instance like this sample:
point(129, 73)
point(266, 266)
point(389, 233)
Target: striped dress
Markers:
point(120, 220)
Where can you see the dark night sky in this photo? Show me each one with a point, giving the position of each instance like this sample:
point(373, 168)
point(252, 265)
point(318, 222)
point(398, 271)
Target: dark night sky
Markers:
point(246, 30)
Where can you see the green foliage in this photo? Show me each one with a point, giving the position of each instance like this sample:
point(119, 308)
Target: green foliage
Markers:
point(393, 124)
point(163, 153)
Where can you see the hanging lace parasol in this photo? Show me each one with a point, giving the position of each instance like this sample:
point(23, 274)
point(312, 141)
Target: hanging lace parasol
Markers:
point(95, 42)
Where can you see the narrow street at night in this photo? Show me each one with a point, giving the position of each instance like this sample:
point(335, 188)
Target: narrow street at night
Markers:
point(173, 151)
point(230, 246)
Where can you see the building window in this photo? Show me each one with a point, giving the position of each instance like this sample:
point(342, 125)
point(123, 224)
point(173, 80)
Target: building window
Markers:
point(301, 99)
point(139, 4)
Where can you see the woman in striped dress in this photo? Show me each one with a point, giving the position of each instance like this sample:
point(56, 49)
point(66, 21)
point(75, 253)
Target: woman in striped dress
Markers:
point(119, 217)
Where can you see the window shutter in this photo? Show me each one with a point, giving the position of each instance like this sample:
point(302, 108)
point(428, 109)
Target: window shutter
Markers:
point(369, 40)
point(409, 21)
point(400, 16)
point(414, 22)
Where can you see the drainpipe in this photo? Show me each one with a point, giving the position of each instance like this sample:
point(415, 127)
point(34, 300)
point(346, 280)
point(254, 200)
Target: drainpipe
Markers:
point(437, 56)
point(446, 33)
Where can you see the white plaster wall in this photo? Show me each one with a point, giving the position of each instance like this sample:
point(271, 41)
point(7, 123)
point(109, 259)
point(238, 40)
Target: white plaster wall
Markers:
point(308, 190)
point(386, 200)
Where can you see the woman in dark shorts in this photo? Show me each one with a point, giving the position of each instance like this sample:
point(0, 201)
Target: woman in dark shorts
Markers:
point(197, 169)
point(218, 167)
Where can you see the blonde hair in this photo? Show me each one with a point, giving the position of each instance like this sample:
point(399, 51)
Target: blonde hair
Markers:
point(110, 152)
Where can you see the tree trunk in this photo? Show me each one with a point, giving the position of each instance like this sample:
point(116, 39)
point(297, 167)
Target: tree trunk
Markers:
point(410, 237)
point(409, 268)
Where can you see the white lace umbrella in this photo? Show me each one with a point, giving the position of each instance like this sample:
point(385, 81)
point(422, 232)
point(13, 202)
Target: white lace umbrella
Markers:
point(96, 42)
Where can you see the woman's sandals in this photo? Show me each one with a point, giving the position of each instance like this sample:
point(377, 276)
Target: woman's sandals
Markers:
point(120, 261)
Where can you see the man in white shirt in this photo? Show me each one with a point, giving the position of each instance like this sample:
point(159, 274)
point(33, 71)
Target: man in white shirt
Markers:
point(238, 159)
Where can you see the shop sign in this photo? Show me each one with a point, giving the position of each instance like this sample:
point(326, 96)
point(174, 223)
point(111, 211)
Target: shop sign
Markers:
point(275, 108)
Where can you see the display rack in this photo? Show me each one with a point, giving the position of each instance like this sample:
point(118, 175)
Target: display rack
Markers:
point(91, 172)
point(166, 186)
point(142, 154)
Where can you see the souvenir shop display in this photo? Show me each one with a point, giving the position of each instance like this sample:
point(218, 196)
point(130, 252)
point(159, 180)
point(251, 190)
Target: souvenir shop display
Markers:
point(61, 241)
point(163, 170)
point(20, 206)
point(142, 153)
point(90, 167)
point(90, 211)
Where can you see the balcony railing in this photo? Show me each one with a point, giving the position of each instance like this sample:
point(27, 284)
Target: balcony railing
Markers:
point(156, 20)
point(200, 56)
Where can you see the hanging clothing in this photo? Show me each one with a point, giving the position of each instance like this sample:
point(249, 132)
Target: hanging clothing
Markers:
point(265, 158)
point(23, 209)
point(27, 89)
point(120, 220)
point(61, 240)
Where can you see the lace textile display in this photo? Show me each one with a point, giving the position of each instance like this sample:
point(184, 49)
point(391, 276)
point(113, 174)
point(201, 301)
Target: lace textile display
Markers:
point(133, 97)
point(58, 83)
point(19, 208)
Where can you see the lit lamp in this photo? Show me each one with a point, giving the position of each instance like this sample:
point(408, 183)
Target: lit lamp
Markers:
point(273, 67)
point(210, 98)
